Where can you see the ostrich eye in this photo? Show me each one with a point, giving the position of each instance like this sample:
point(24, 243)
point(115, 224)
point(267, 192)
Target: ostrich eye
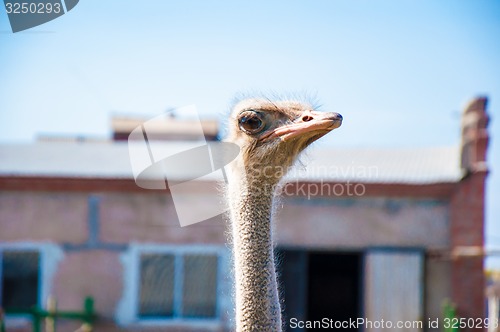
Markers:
point(251, 122)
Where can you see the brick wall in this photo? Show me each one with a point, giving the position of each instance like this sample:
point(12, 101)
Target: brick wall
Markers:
point(467, 230)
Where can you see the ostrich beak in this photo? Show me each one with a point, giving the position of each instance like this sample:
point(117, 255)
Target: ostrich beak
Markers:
point(311, 124)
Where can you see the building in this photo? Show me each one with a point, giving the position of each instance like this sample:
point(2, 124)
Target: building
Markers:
point(362, 233)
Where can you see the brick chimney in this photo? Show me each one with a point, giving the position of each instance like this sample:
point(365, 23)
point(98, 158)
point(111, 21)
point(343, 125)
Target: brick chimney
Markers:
point(475, 136)
point(467, 214)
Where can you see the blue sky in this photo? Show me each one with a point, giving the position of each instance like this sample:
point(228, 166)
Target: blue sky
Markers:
point(399, 71)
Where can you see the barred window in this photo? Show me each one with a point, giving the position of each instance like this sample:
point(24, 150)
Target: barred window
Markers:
point(199, 286)
point(20, 278)
point(157, 285)
point(178, 285)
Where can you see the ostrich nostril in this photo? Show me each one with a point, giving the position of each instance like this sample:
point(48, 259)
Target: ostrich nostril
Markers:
point(307, 118)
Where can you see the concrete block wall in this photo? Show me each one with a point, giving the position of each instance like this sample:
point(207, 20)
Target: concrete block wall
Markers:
point(43, 216)
point(94, 229)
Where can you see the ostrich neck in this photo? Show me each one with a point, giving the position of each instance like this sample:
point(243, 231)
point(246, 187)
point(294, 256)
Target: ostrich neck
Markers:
point(257, 302)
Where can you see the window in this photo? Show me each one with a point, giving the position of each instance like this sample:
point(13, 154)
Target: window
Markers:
point(178, 285)
point(20, 278)
point(199, 285)
point(175, 285)
point(157, 285)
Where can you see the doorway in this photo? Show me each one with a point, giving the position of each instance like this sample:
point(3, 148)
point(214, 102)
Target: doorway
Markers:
point(318, 284)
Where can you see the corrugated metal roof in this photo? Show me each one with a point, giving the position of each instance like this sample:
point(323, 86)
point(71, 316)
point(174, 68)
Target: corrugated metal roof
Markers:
point(66, 159)
point(111, 160)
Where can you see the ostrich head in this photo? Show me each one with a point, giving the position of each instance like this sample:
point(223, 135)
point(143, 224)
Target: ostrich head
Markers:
point(271, 134)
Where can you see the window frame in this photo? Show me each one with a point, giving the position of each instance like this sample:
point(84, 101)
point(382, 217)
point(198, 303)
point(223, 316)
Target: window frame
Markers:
point(128, 309)
point(49, 257)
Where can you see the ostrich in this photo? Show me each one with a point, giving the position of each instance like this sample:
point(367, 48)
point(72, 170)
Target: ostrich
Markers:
point(270, 136)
